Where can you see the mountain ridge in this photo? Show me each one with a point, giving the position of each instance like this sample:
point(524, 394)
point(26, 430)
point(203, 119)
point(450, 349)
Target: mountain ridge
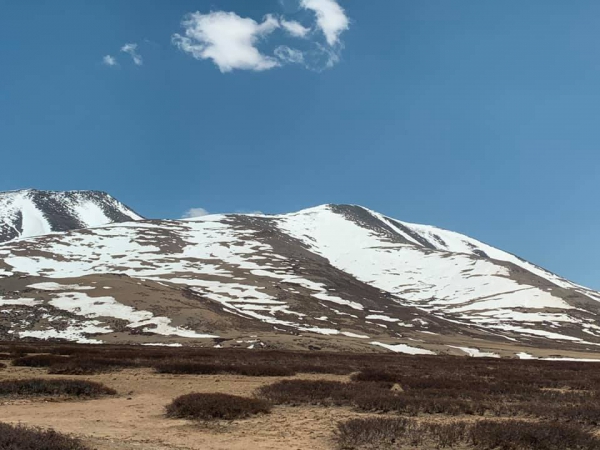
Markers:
point(331, 276)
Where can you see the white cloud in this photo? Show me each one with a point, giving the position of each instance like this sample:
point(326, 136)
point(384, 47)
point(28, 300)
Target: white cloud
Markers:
point(109, 61)
point(195, 212)
point(232, 42)
point(228, 40)
point(289, 55)
point(296, 29)
point(331, 18)
point(131, 50)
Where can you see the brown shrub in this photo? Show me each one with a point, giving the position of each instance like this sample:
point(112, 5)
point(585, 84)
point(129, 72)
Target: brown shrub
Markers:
point(322, 392)
point(519, 435)
point(2, 366)
point(382, 432)
point(257, 370)
point(21, 438)
point(377, 432)
point(90, 365)
point(37, 387)
point(320, 368)
point(22, 350)
point(215, 406)
point(375, 375)
point(299, 392)
point(587, 411)
point(38, 360)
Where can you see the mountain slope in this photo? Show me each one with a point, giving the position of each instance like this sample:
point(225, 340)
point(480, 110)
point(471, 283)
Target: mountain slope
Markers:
point(335, 276)
point(30, 212)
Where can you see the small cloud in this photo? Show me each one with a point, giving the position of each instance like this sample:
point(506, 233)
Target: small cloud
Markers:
point(331, 18)
point(195, 212)
point(289, 55)
point(131, 50)
point(296, 29)
point(227, 39)
point(109, 61)
point(232, 42)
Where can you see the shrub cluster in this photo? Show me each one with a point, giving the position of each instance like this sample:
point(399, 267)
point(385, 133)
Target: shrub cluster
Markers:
point(198, 368)
point(392, 433)
point(90, 365)
point(562, 391)
point(38, 360)
point(37, 387)
point(468, 399)
point(21, 438)
point(215, 406)
point(319, 392)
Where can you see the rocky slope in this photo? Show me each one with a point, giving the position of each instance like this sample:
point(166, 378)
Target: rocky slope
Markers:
point(30, 212)
point(331, 277)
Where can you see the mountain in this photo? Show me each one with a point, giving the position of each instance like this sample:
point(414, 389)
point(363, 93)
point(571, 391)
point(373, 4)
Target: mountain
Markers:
point(337, 277)
point(30, 212)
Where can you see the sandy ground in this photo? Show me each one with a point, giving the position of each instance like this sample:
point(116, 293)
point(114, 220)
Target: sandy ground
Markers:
point(135, 418)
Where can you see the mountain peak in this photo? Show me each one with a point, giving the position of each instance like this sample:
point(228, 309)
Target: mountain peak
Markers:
point(32, 212)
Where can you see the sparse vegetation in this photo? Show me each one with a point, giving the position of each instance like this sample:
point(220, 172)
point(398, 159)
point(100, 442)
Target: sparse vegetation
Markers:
point(396, 433)
point(254, 370)
point(406, 391)
point(520, 435)
point(320, 392)
point(215, 406)
point(2, 366)
point(82, 365)
point(38, 360)
point(37, 387)
point(22, 438)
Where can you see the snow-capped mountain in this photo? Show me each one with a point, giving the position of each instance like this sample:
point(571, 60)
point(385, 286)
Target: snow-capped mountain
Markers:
point(30, 212)
point(331, 277)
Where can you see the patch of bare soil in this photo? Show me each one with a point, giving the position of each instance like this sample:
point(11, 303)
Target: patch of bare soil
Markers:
point(135, 419)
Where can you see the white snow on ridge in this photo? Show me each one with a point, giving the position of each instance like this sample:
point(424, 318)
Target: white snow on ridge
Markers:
point(428, 278)
point(81, 205)
point(382, 318)
point(91, 214)
point(34, 223)
point(476, 353)
point(459, 243)
point(524, 355)
point(18, 302)
point(74, 333)
point(211, 252)
point(403, 348)
point(225, 262)
point(96, 307)
point(51, 286)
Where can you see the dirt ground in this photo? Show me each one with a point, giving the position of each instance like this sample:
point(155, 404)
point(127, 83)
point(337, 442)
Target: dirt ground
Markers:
point(135, 418)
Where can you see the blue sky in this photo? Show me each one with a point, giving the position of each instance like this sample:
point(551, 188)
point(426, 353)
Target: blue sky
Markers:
point(480, 117)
